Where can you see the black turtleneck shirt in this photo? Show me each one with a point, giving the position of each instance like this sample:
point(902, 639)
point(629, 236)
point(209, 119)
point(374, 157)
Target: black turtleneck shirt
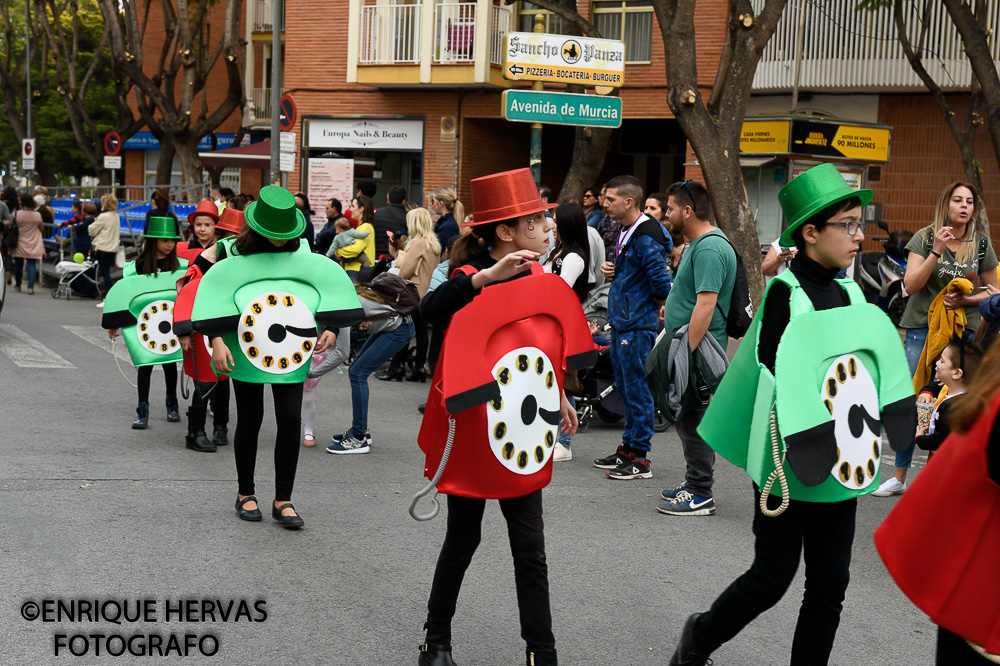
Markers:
point(818, 283)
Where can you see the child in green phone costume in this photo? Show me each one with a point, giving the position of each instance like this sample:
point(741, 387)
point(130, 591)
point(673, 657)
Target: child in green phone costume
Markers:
point(819, 375)
point(141, 304)
point(259, 304)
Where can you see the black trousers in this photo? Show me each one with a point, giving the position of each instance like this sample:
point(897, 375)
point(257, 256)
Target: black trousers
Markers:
point(952, 649)
point(821, 533)
point(525, 529)
point(249, 416)
point(105, 260)
point(145, 374)
point(219, 398)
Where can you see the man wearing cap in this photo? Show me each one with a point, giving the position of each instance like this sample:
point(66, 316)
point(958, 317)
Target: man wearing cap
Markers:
point(701, 294)
point(804, 418)
point(639, 285)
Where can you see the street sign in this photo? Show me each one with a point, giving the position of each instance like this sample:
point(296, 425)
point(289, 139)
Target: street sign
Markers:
point(529, 106)
point(286, 162)
point(530, 56)
point(287, 142)
point(112, 161)
point(28, 149)
point(286, 106)
point(112, 143)
point(28, 163)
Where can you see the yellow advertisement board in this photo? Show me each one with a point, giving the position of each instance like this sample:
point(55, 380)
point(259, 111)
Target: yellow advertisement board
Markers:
point(767, 137)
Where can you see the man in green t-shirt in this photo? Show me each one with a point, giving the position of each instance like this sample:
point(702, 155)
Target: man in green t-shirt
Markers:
point(700, 295)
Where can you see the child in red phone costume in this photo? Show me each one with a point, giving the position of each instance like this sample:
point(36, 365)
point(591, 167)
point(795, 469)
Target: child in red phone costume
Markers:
point(511, 333)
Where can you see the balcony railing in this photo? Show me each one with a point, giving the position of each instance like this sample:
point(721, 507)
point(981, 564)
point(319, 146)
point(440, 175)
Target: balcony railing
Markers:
point(499, 28)
point(390, 34)
point(261, 98)
point(847, 49)
point(455, 32)
point(263, 11)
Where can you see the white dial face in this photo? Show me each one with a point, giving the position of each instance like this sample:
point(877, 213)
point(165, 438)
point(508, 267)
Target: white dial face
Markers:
point(155, 328)
point(524, 422)
point(849, 393)
point(276, 332)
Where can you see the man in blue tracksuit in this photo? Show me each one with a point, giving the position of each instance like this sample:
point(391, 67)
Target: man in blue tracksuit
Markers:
point(639, 286)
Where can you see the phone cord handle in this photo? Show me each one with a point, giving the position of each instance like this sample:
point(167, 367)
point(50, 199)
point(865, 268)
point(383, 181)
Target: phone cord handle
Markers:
point(778, 473)
point(115, 354)
point(992, 658)
point(194, 366)
point(437, 477)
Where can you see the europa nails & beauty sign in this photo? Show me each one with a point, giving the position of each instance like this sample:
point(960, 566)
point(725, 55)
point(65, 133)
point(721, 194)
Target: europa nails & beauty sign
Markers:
point(532, 56)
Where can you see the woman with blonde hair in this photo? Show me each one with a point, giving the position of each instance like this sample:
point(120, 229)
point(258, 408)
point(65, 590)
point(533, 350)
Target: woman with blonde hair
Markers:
point(956, 244)
point(104, 234)
point(416, 263)
point(444, 202)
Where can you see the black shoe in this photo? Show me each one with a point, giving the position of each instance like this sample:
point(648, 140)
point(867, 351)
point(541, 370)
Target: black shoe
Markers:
point(253, 515)
point(434, 654)
point(417, 376)
point(173, 415)
point(142, 412)
point(391, 374)
point(536, 657)
point(196, 441)
point(635, 468)
point(614, 460)
point(422, 407)
point(288, 522)
point(220, 436)
point(688, 653)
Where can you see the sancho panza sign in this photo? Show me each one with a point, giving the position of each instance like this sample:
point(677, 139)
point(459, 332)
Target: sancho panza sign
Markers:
point(366, 133)
point(533, 56)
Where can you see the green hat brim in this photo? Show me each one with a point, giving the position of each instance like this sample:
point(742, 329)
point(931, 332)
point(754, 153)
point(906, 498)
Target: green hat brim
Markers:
point(251, 220)
point(174, 234)
point(818, 205)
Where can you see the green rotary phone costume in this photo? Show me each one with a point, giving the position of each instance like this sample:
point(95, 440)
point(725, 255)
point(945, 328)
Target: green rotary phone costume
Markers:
point(840, 377)
point(265, 306)
point(142, 306)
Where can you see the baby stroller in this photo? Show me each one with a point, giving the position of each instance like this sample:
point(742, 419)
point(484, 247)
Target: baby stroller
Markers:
point(78, 278)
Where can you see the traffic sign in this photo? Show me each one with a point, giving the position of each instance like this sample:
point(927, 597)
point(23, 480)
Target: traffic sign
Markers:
point(28, 149)
point(28, 163)
point(529, 106)
point(286, 105)
point(286, 143)
point(286, 162)
point(542, 57)
point(112, 161)
point(112, 143)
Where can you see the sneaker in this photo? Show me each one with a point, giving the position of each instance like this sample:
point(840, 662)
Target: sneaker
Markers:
point(671, 495)
point(344, 435)
point(100, 305)
point(891, 487)
point(562, 453)
point(688, 653)
point(349, 445)
point(686, 504)
point(617, 458)
point(633, 468)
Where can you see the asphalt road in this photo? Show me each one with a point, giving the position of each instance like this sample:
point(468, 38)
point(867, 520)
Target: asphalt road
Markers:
point(96, 511)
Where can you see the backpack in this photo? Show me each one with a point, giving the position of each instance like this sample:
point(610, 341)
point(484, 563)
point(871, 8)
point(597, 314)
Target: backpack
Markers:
point(740, 304)
point(399, 294)
point(13, 235)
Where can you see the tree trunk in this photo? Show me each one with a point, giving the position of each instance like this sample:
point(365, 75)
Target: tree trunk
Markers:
point(190, 163)
point(590, 146)
point(164, 166)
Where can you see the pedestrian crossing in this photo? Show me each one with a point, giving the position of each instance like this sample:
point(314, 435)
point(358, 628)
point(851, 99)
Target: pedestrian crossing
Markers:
point(26, 352)
point(98, 337)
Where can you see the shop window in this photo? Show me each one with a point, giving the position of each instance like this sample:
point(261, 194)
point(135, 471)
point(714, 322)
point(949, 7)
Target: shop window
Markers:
point(631, 21)
point(554, 24)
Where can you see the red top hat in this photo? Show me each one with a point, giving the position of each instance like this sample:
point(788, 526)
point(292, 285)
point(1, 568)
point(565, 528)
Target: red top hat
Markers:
point(205, 208)
point(505, 196)
point(231, 220)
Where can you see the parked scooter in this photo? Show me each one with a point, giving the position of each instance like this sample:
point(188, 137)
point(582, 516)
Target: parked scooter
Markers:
point(882, 273)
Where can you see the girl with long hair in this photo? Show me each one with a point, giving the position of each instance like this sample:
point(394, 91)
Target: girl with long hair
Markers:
point(444, 202)
point(955, 244)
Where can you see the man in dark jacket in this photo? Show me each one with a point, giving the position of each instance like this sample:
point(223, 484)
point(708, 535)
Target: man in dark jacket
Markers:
point(324, 237)
point(639, 286)
point(390, 218)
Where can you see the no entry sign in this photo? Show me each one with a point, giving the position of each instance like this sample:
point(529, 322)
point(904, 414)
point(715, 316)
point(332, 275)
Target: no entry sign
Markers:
point(286, 105)
point(112, 143)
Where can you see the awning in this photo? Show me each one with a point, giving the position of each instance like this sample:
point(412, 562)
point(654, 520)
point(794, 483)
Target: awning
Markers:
point(253, 156)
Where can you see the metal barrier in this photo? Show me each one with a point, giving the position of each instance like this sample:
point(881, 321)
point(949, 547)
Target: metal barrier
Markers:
point(128, 192)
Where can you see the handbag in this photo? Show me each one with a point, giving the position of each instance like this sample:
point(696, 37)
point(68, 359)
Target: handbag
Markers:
point(13, 235)
point(399, 294)
point(120, 257)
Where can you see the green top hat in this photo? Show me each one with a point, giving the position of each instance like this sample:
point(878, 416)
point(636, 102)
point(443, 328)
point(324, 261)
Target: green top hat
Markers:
point(811, 192)
point(274, 215)
point(162, 227)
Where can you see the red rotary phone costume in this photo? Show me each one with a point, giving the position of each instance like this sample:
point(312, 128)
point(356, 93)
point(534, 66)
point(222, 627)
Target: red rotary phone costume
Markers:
point(946, 561)
point(500, 377)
